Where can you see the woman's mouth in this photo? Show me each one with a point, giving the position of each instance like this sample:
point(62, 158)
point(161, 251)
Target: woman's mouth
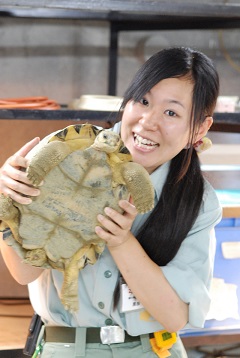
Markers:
point(144, 143)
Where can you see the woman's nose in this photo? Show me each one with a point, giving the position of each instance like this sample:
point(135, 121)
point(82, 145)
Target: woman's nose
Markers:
point(149, 121)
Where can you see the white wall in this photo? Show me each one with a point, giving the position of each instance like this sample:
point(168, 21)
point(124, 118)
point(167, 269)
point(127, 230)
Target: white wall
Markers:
point(64, 59)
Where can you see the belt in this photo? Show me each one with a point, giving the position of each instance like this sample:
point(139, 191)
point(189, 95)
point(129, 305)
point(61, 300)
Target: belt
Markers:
point(104, 335)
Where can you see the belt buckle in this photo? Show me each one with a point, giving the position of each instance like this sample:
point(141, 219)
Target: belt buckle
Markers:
point(112, 334)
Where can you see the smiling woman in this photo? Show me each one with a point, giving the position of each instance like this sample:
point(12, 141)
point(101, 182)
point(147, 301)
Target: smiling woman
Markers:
point(155, 274)
point(156, 128)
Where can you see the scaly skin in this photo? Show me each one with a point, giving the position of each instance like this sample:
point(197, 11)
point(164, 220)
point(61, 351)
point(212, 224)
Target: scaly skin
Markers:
point(9, 214)
point(136, 177)
point(45, 160)
point(69, 291)
point(75, 190)
point(58, 148)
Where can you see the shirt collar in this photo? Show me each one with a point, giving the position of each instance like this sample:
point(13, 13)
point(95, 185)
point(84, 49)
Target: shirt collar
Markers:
point(158, 178)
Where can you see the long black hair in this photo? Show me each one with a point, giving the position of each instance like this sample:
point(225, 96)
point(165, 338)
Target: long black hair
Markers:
point(178, 207)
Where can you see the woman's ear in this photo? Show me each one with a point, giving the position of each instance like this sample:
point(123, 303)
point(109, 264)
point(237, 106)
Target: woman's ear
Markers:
point(204, 128)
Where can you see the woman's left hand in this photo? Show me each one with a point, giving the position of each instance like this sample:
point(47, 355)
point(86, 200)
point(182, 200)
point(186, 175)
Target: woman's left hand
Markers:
point(116, 226)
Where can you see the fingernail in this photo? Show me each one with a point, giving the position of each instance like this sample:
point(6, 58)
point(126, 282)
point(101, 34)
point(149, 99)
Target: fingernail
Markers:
point(100, 217)
point(36, 192)
point(97, 229)
point(107, 210)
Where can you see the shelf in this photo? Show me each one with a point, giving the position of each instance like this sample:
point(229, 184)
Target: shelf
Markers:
point(62, 114)
point(130, 7)
point(226, 122)
point(223, 122)
point(130, 15)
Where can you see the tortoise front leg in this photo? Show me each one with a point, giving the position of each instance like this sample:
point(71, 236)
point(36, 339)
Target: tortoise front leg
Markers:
point(46, 159)
point(139, 185)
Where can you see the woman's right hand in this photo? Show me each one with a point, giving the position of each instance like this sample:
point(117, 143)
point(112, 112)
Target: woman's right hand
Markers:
point(13, 180)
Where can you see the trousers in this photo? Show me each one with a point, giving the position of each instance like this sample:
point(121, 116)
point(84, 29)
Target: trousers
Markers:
point(80, 349)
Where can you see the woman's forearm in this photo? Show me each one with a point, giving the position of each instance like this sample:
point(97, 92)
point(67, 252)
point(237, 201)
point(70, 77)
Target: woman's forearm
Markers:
point(149, 285)
point(21, 272)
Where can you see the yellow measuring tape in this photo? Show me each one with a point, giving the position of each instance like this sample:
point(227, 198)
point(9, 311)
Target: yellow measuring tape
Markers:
point(162, 342)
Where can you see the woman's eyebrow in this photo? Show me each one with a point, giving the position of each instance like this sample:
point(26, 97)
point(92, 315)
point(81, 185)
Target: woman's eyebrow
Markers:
point(174, 101)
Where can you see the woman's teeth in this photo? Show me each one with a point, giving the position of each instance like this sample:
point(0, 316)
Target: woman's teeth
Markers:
point(143, 142)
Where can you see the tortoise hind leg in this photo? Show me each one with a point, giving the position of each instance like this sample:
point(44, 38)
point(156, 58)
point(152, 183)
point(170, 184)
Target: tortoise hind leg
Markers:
point(9, 214)
point(139, 185)
point(69, 291)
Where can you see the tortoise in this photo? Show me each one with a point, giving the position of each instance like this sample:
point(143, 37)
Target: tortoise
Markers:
point(81, 170)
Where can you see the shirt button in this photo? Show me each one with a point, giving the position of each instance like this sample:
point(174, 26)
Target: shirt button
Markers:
point(107, 273)
point(108, 322)
point(101, 305)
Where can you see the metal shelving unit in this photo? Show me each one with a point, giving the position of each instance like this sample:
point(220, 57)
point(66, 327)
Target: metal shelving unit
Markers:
point(122, 15)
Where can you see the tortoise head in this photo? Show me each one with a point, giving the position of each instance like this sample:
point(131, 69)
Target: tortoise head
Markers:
point(107, 141)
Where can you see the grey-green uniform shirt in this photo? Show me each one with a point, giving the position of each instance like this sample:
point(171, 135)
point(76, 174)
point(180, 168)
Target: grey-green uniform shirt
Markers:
point(189, 273)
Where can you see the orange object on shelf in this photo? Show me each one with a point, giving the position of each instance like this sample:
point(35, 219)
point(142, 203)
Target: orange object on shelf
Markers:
point(28, 103)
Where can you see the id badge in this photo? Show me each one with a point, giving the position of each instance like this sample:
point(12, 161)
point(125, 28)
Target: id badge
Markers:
point(128, 301)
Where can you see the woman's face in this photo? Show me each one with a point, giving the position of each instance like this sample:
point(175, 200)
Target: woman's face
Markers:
point(157, 128)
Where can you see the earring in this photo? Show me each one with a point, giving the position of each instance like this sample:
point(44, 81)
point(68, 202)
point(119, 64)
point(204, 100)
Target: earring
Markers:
point(202, 144)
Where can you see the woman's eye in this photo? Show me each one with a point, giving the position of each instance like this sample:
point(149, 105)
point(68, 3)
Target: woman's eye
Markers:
point(144, 101)
point(170, 113)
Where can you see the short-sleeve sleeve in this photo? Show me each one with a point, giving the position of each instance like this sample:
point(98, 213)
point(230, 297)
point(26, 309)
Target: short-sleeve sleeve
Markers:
point(191, 270)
